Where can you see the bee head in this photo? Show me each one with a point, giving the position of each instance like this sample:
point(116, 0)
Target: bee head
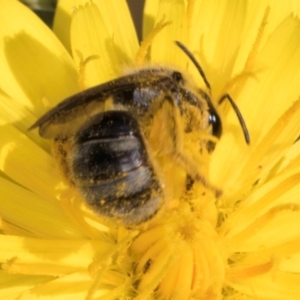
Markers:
point(214, 119)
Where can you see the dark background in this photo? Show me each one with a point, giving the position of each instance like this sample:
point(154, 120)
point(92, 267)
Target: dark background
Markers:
point(136, 8)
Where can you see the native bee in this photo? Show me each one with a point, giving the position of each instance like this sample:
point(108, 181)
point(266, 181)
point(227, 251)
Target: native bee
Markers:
point(103, 137)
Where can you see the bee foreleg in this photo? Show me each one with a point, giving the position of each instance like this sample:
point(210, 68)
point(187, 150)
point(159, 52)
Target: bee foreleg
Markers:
point(166, 135)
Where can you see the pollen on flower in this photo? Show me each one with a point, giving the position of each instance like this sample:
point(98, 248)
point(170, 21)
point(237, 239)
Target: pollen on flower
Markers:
point(199, 244)
point(180, 257)
point(142, 52)
point(83, 62)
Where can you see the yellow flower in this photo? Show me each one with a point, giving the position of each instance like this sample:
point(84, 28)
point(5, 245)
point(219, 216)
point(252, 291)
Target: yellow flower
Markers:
point(244, 244)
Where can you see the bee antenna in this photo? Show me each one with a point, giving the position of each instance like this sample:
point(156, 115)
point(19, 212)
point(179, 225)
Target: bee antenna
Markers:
point(195, 62)
point(239, 115)
point(226, 96)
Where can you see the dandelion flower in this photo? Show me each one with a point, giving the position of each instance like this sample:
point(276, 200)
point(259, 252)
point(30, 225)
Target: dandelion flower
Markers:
point(242, 244)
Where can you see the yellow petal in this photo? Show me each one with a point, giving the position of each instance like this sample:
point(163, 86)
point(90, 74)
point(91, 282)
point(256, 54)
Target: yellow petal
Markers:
point(34, 65)
point(276, 14)
point(13, 285)
point(119, 25)
point(291, 159)
point(50, 257)
point(270, 230)
point(35, 214)
point(121, 29)
point(150, 12)
point(71, 287)
point(19, 157)
point(275, 206)
point(13, 112)
point(274, 95)
point(275, 285)
point(62, 21)
point(218, 27)
point(92, 45)
point(163, 49)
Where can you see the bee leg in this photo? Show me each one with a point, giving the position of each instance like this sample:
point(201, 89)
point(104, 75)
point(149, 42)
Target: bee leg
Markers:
point(170, 140)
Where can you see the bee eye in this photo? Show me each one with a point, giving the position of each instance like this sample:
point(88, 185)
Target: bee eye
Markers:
point(216, 125)
point(215, 121)
point(177, 76)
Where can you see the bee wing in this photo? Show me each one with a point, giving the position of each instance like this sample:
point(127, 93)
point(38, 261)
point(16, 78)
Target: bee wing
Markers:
point(64, 119)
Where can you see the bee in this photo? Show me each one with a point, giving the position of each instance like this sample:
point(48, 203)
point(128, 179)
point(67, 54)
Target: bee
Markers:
point(102, 138)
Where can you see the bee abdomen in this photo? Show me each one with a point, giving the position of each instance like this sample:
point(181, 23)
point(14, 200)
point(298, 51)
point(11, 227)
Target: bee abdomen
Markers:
point(107, 158)
point(134, 198)
point(110, 167)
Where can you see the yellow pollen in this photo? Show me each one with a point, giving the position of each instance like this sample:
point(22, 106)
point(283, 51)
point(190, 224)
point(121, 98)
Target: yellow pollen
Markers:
point(82, 66)
point(188, 232)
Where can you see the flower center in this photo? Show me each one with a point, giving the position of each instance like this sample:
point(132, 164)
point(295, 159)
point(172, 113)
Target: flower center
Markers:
point(182, 255)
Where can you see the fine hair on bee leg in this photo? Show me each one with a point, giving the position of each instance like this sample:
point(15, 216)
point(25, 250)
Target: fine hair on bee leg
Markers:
point(171, 118)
